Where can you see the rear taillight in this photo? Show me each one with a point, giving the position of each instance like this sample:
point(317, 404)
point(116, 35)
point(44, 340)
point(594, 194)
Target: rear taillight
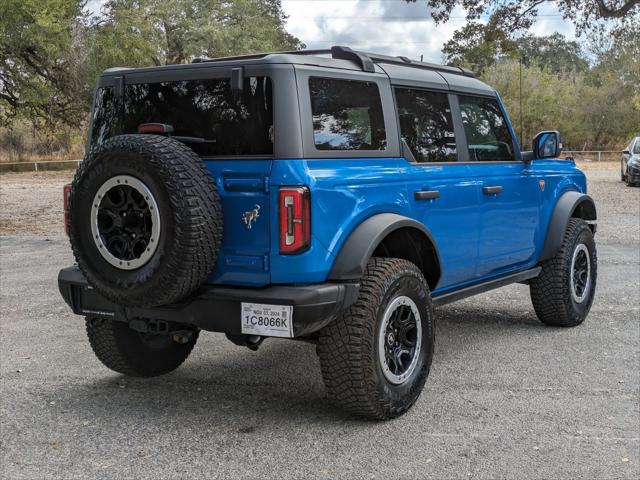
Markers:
point(66, 192)
point(295, 220)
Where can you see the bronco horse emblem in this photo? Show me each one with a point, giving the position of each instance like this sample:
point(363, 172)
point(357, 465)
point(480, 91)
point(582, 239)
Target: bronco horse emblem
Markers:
point(251, 216)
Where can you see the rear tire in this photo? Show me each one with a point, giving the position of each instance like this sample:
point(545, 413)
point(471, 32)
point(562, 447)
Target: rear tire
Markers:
point(563, 292)
point(357, 350)
point(133, 353)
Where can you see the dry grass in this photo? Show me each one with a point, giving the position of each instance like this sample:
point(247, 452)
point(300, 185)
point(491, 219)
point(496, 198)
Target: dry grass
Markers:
point(598, 165)
point(75, 153)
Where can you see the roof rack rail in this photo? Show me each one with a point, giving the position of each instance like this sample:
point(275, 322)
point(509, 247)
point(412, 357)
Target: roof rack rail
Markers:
point(407, 62)
point(366, 61)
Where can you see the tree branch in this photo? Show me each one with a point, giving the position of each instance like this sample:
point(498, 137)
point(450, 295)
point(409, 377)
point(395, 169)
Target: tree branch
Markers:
point(9, 99)
point(611, 12)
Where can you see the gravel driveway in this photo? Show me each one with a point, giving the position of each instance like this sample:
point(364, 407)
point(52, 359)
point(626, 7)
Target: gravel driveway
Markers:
point(506, 398)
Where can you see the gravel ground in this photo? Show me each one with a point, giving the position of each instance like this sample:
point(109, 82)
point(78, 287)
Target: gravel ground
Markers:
point(32, 202)
point(506, 398)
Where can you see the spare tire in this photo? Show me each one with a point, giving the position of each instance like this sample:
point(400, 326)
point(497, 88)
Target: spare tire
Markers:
point(145, 220)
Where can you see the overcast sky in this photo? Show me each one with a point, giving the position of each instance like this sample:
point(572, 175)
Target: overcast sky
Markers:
point(384, 26)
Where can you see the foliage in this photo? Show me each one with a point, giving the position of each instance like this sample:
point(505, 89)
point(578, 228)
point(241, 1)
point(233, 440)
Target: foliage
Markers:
point(473, 48)
point(161, 32)
point(592, 94)
point(511, 16)
point(43, 55)
point(52, 51)
point(592, 111)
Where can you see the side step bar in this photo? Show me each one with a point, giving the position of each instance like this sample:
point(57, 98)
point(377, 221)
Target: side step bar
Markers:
point(454, 296)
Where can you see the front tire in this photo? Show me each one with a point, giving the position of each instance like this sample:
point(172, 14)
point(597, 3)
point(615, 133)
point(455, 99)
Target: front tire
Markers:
point(563, 292)
point(136, 354)
point(376, 356)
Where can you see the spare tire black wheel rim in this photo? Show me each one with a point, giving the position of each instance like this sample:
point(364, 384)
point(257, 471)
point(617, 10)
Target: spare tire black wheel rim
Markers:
point(400, 340)
point(125, 222)
point(580, 273)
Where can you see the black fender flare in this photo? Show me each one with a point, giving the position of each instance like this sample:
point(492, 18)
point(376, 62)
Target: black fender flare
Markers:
point(351, 262)
point(567, 205)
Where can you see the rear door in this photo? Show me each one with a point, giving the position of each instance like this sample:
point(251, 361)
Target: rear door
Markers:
point(508, 190)
point(233, 132)
point(441, 196)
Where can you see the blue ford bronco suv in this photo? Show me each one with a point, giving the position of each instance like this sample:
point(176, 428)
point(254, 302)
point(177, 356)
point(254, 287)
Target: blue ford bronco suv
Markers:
point(331, 196)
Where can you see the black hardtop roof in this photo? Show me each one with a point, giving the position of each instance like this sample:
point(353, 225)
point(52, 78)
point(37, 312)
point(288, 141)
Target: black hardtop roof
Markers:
point(359, 60)
point(339, 57)
point(364, 60)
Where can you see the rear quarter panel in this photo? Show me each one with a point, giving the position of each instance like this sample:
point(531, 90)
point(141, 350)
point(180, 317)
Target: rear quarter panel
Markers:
point(344, 192)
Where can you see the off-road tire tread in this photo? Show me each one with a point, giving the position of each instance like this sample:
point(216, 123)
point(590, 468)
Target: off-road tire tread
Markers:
point(550, 291)
point(197, 213)
point(104, 337)
point(350, 379)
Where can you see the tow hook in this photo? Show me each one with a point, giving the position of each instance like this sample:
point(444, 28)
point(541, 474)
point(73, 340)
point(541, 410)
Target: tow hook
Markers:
point(252, 342)
point(162, 327)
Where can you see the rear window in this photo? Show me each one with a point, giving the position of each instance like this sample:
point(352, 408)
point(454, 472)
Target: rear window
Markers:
point(347, 115)
point(426, 125)
point(224, 123)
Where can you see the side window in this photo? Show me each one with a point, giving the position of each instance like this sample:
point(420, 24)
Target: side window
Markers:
point(488, 136)
point(104, 116)
point(347, 115)
point(426, 125)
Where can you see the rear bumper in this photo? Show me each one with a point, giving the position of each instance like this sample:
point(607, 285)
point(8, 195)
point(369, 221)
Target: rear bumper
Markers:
point(215, 308)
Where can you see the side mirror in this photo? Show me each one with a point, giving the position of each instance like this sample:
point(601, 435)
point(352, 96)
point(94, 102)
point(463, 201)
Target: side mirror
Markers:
point(547, 144)
point(626, 152)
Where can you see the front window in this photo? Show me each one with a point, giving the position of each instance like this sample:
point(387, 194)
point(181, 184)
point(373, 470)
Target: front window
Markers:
point(488, 135)
point(636, 148)
point(347, 115)
point(218, 121)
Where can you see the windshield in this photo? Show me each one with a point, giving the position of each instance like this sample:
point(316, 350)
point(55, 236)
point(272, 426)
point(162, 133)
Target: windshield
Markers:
point(228, 123)
point(636, 148)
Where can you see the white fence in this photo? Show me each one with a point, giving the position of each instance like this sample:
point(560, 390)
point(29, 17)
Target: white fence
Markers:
point(38, 166)
point(593, 155)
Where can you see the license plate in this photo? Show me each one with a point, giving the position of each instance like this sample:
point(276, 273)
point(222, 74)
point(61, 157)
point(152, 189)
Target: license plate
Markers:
point(267, 320)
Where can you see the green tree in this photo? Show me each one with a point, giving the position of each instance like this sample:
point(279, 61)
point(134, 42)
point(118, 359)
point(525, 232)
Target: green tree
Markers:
point(554, 52)
point(477, 48)
point(43, 56)
point(52, 51)
point(141, 32)
point(511, 16)
point(494, 26)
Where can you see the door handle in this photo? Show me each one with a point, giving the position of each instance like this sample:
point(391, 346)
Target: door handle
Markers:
point(491, 190)
point(426, 194)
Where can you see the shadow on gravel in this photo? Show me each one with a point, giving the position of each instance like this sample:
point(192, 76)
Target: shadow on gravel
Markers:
point(278, 385)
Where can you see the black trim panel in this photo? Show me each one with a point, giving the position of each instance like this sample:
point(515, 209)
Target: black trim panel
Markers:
point(362, 242)
point(466, 292)
point(562, 212)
